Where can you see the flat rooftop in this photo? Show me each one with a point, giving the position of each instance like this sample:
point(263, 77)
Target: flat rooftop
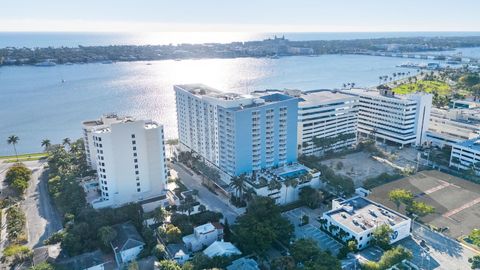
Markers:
point(315, 97)
point(201, 90)
point(149, 124)
point(373, 93)
point(359, 214)
point(234, 101)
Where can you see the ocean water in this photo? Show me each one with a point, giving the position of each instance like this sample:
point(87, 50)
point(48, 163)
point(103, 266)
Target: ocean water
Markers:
point(35, 104)
point(58, 39)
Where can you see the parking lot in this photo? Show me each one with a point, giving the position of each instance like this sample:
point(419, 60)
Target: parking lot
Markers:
point(456, 201)
point(312, 231)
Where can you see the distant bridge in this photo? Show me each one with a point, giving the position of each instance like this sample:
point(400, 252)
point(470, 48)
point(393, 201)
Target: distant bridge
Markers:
point(426, 56)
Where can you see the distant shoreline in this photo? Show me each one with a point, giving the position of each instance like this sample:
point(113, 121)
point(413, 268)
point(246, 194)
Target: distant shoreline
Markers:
point(268, 48)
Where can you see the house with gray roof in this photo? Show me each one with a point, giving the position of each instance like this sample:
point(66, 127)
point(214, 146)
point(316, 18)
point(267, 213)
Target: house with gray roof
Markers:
point(128, 243)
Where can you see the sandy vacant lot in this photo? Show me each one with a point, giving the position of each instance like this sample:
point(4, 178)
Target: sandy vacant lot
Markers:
point(358, 166)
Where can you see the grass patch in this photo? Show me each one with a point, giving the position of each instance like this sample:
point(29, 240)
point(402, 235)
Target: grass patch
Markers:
point(439, 87)
point(24, 157)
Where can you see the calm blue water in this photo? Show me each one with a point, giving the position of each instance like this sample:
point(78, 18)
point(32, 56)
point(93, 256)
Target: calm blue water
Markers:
point(42, 39)
point(35, 104)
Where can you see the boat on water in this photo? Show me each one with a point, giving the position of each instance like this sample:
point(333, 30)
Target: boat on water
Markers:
point(107, 62)
point(46, 64)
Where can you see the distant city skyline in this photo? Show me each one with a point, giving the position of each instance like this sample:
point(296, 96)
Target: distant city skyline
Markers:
point(240, 16)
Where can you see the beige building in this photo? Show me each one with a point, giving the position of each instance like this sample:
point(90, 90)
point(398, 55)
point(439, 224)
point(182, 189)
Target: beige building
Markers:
point(448, 127)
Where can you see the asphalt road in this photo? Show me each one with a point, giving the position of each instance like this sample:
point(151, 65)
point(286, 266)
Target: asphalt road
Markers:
point(42, 217)
point(206, 197)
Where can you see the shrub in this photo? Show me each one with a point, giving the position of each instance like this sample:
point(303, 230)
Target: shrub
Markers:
point(17, 253)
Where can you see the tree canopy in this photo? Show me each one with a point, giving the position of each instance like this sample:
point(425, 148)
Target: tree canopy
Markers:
point(399, 196)
point(310, 197)
point(382, 235)
point(307, 253)
point(261, 225)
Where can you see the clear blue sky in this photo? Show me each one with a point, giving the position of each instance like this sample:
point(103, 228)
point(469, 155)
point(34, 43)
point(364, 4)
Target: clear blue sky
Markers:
point(240, 15)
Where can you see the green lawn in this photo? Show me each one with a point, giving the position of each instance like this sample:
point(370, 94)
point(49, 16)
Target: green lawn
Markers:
point(23, 157)
point(441, 88)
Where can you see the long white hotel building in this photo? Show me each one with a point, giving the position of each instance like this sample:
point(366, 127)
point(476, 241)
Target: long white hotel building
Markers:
point(323, 114)
point(326, 114)
point(237, 133)
point(400, 119)
point(448, 127)
point(129, 156)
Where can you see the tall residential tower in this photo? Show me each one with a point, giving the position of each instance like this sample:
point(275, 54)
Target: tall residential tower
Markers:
point(129, 156)
point(237, 133)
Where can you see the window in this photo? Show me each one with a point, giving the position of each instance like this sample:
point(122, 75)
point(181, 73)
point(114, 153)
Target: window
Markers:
point(138, 189)
point(136, 172)
point(135, 160)
point(138, 184)
point(133, 136)
point(136, 166)
point(134, 142)
point(134, 154)
point(134, 148)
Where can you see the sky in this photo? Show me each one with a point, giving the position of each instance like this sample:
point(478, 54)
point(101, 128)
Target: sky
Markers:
point(239, 15)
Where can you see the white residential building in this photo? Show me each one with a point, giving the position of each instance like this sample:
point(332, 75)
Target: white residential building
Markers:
point(358, 217)
point(326, 114)
point(400, 119)
point(88, 127)
point(448, 127)
point(237, 133)
point(466, 155)
point(203, 236)
point(130, 160)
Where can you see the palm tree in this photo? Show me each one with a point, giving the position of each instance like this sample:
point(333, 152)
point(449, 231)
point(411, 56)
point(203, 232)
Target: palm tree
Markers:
point(66, 141)
point(46, 144)
point(13, 140)
point(238, 184)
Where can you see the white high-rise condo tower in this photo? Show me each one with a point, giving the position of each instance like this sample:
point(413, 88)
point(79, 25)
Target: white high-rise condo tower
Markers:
point(129, 156)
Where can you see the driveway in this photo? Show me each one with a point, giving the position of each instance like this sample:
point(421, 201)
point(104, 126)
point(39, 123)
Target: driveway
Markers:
point(213, 202)
point(311, 230)
point(42, 218)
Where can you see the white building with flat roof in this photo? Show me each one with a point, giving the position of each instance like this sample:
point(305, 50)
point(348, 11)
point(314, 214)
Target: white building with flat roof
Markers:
point(357, 218)
point(448, 127)
point(203, 236)
point(466, 155)
point(129, 156)
point(399, 119)
point(90, 125)
point(326, 114)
